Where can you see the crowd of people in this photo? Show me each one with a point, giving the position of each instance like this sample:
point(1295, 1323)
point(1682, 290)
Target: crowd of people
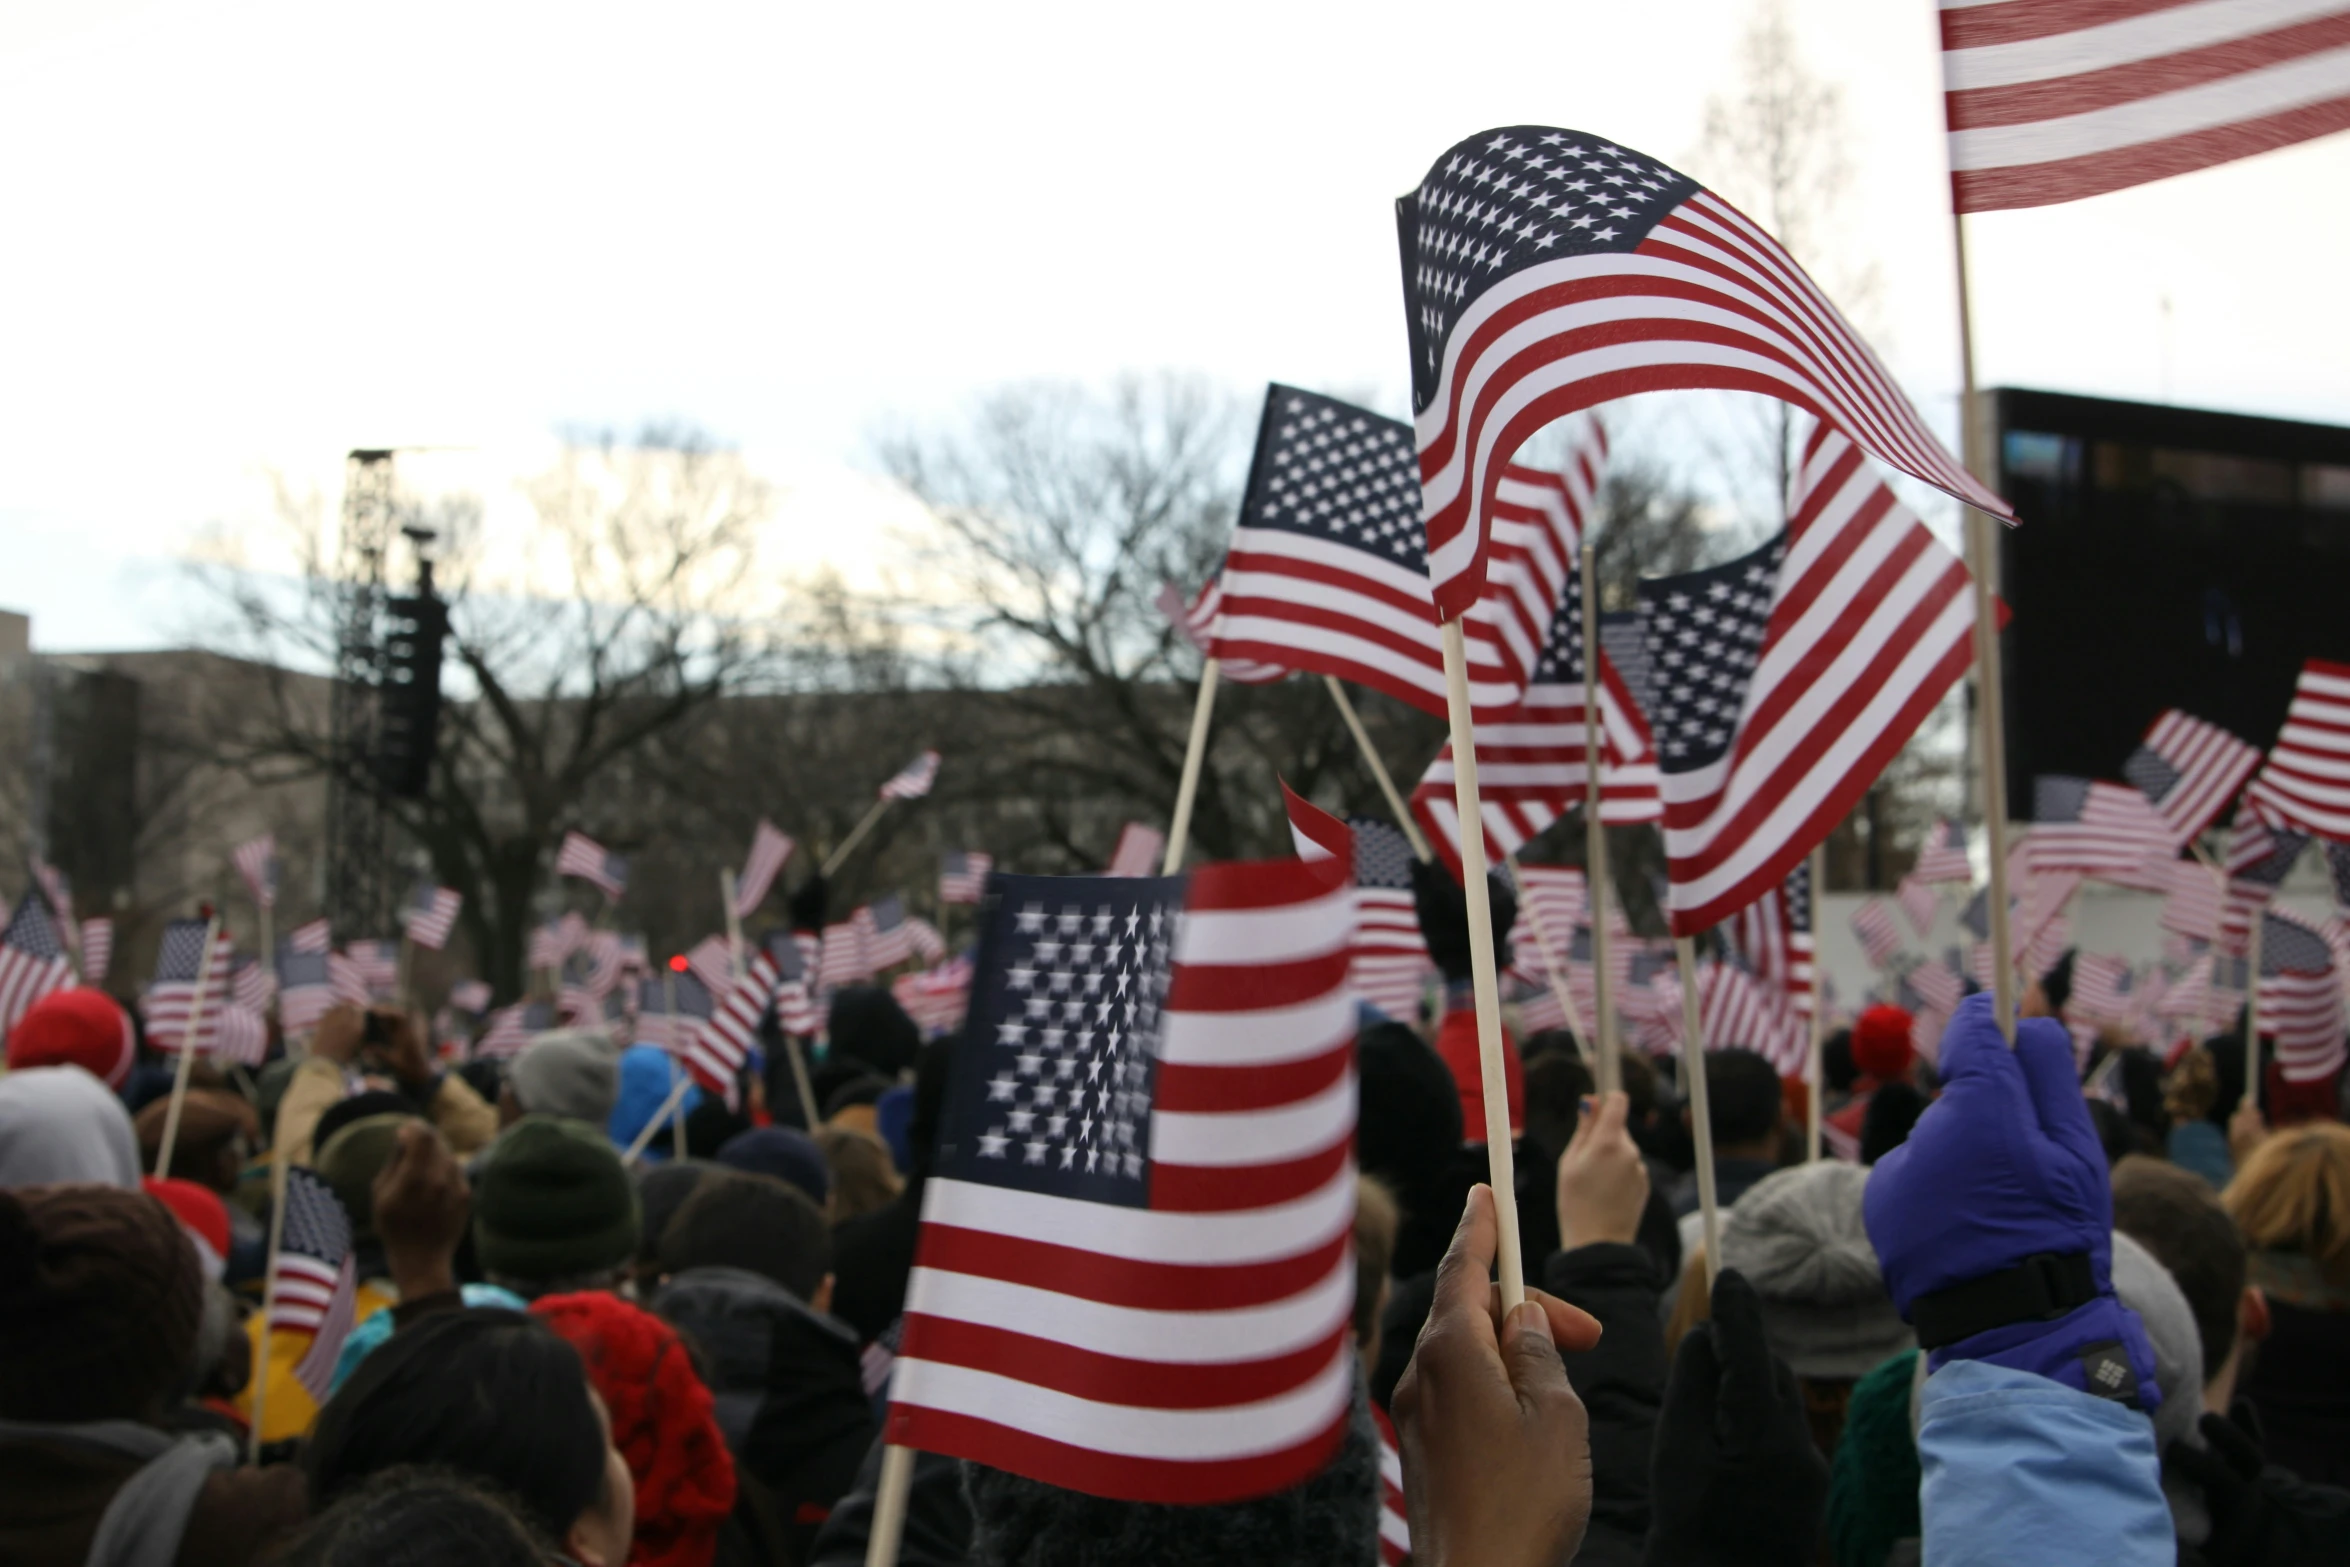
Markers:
point(2008, 1317)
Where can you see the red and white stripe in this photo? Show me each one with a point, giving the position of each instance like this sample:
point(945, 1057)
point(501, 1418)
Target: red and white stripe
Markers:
point(712, 961)
point(2100, 982)
point(1197, 622)
point(581, 856)
point(1942, 857)
point(2212, 766)
point(1390, 969)
point(1707, 300)
point(1872, 622)
point(1139, 851)
point(770, 849)
point(432, 916)
point(256, 862)
point(1199, 1349)
point(716, 1054)
point(2115, 834)
point(170, 1005)
point(1395, 1526)
point(1918, 900)
point(1879, 938)
point(2306, 782)
point(97, 950)
point(2056, 100)
point(914, 780)
point(316, 1369)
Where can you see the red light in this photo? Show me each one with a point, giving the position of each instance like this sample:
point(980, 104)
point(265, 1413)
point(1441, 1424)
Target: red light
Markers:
point(677, 962)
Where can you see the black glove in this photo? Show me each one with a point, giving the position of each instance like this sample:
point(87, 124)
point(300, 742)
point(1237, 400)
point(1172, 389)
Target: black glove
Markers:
point(806, 904)
point(1444, 918)
point(2229, 1473)
point(1736, 1480)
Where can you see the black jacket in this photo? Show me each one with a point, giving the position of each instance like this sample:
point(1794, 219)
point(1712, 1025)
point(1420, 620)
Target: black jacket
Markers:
point(1621, 1383)
point(786, 1380)
point(938, 1519)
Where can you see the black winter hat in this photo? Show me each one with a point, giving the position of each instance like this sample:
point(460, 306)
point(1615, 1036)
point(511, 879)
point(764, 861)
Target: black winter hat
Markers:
point(100, 1299)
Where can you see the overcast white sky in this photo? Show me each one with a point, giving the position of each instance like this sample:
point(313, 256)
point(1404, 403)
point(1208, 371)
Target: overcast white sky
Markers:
point(239, 236)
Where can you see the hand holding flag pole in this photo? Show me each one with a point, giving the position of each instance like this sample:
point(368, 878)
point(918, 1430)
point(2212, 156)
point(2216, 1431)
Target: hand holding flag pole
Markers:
point(188, 1045)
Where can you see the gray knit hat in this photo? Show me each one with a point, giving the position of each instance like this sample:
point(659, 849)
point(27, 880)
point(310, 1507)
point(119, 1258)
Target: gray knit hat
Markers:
point(1332, 1520)
point(573, 1073)
point(1797, 1236)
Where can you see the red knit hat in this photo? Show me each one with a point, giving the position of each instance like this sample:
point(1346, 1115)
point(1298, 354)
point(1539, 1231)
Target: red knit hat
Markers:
point(662, 1422)
point(202, 1215)
point(79, 1027)
point(1880, 1044)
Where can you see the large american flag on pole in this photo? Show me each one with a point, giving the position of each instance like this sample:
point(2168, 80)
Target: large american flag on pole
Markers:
point(2054, 100)
point(315, 1290)
point(1546, 271)
point(32, 959)
point(1787, 679)
point(2189, 770)
point(1327, 570)
point(1134, 1277)
point(2306, 780)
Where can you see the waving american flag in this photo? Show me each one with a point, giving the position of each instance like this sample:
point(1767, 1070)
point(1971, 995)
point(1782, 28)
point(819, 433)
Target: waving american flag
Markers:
point(32, 959)
point(770, 850)
point(591, 862)
point(315, 1289)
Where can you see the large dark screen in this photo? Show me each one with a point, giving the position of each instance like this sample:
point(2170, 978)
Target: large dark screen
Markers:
point(2167, 557)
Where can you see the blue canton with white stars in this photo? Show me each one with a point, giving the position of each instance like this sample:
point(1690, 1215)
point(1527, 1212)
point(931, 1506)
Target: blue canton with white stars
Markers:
point(1054, 1074)
point(1383, 856)
point(1333, 471)
point(316, 1225)
point(1799, 899)
point(1506, 200)
point(1705, 635)
point(31, 930)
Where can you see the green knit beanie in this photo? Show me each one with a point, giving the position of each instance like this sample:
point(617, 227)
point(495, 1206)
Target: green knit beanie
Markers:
point(1873, 1482)
point(553, 1201)
point(351, 1159)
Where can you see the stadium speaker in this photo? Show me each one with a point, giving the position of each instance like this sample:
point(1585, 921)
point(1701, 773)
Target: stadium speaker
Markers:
point(408, 718)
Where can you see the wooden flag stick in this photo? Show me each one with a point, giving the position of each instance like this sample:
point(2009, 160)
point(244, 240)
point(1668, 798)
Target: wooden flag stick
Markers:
point(179, 1076)
point(1550, 958)
point(407, 964)
point(669, 991)
point(1819, 1009)
point(1607, 1062)
point(1701, 1119)
point(277, 1231)
point(2252, 1011)
point(266, 916)
point(799, 1075)
point(1354, 724)
point(669, 1106)
point(1990, 730)
point(734, 921)
point(889, 1506)
point(1195, 752)
point(1509, 1266)
point(832, 861)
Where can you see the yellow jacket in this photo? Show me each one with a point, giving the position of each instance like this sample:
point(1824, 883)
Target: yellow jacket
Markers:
point(289, 1409)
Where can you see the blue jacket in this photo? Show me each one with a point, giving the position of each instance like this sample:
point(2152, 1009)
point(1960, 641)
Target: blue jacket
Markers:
point(2017, 1468)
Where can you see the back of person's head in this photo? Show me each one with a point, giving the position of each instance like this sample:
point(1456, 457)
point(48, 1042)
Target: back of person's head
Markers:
point(569, 1072)
point(1837, 1070)
point(1638, 1075)
point(217, 1133)
point(101, 1300)
point(2192, 1087)
point(866, 1024)
point(931, 1073)
point(2143, 1284)
point(2115, 1134)
point(789, 1155)
point(2227, 1068)
point(1893, 1111)
point(2292, 1194)
point(1376, 1224)
point(711, 1125)
point(414, 1516)
point(1555, 1087)
point(661, 1189)
point(1332, 1518)
point(1550, 1041)
point(75, 1027)
point(490, 1394)
point(553, 1208)
point(1798, 1238)
point(1742, 1096)
point(58, 1124)
point(1409, 1125)
point(2176, 1215)
point(361, 1106)
point(863, 1180)
point(753, 1222)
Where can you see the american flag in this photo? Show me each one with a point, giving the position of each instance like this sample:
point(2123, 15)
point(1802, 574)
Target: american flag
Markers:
point(841, 959)
point(2101, 986)
point(1395, 1526)
point(1879, 937)
point(548, 948)
point(912, 781)
point(1196, 622)
point(2094, 828)
point(1918, 900)
point(1787, 679)
point(171, 998)
point(2050, 101)
point(1134, 1277)
point(718, 1049)
point(2259, 858)
point(1546, 271)
point(1737, 1011)
point(316, 1287)
point(1530, 756)
point(2300, 997)
point(1553, 901)
point(929, 945)
point(235, 1033)
point(1390, 967)
point(59, 892)
point(1138, 852)
point(512, 1029)
point(672, 1010)
point(712, 961)
point(378, 963)
point(591, 862)
point(2191, 905)
point(796, 1011)
point(1942, 857)
point(346, 979)
point(310, 936)
point(431, 914)
point(252, 983)
point(2189, 998)
point(936, 998)
point(305, 988)
point(97, 950)
point(2190, 770)
point(1773, 935)
point(962, 876)
point(256, 861)
point(884, 933)
point(770, 849)
point(32, 960)
point(470, 995)
point(1937, 984)
point(2301, 784)
point(1327, 570)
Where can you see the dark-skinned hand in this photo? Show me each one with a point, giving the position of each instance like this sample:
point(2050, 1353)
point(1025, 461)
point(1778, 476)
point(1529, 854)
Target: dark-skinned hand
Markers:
point(338, 1035)
point(1496, 1450)
point(403, 1051)
point(421, 1205)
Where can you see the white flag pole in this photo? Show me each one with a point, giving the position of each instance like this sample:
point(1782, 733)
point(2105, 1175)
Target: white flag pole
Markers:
point(1819, 1009)
point(187, 1060)
point(1195, 751)
point(889, 1506)
point(1607, 1059)
point(1510, 1267)
point(1701, 1120)
point(833, 861)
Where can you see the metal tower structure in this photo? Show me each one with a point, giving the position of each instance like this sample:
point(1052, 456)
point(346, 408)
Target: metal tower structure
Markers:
point(358, 883)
